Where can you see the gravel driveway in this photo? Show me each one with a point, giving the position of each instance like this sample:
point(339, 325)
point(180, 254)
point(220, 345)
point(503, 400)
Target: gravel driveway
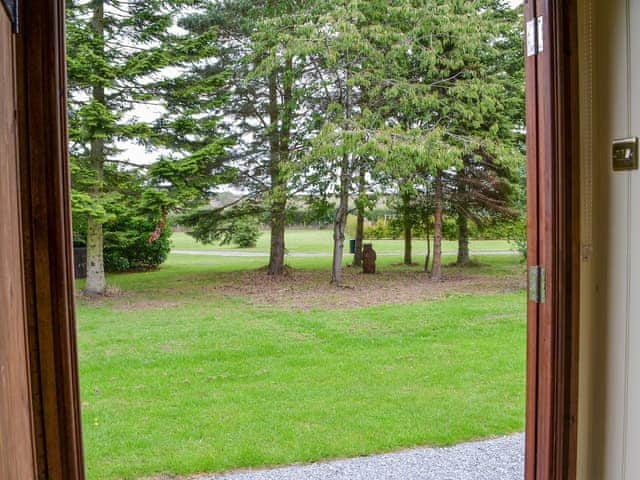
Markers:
point(498, 459)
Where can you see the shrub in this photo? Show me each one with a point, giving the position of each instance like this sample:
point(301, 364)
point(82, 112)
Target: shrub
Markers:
point(128, 245)
point(382, 229)
point(127, 235)
point(246, 233)
point(518, 236)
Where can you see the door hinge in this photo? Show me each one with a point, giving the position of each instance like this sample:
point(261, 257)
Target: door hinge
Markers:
point(11, 7)
point(535, 36)
point(537, 284)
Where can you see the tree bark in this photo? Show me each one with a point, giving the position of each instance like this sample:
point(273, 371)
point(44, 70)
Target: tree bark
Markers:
point(342, 212)
point(427, 258)
point(280, 118)
point(357, 258)
point(408, 239)
point(340, 222)
point(278, 200)
point(463, 240)
point(96, 283)
point(407, 226)
point(277, 247)
point(436, 271)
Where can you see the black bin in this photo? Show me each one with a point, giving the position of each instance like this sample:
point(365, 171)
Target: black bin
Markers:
point(80, 262)
point(352, 247)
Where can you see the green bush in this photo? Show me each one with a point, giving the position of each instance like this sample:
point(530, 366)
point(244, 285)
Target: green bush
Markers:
point(246, 233)
point(517, 235)
point(382, 229)
point(128, 245)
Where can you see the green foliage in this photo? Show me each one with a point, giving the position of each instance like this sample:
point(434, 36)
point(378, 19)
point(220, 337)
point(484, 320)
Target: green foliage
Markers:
point(281, 98)
point(246, 233)
point(136, 235)
point(119, 58)
point(517, 232)
point(517, 235)
point(316, 91)
point(265, 102)
point(453, 108)
point(127, 244)
point(381, 230)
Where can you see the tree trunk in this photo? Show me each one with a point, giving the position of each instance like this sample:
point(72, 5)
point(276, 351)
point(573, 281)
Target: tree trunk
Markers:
point(340, 222)
point(96, 283)
point(436, 271)
point(342, 212)
point(277, 248)
point(463, 240)
point(408, 239)
point(407, 228)
point(357, 258)
point(427, 258)
point(278, 194)
point(280, 118)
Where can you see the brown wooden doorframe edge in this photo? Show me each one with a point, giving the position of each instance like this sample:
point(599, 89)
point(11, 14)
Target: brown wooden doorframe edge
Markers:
point(48, 240)
point(552, 403)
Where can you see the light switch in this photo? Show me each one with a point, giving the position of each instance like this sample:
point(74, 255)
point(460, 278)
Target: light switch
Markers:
point(625, 154)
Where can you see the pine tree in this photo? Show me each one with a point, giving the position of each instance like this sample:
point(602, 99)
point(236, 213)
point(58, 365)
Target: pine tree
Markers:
point(117, 52)
point(448, 98)
point(348, 58)
point(269, 109)
point(484, 189)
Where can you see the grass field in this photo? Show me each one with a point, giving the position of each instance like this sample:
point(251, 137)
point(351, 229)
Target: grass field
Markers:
point(321, 241)
point(203, 366)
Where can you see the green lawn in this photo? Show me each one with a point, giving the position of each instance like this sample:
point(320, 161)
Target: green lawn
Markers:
point(320, 241)
point(177, 378)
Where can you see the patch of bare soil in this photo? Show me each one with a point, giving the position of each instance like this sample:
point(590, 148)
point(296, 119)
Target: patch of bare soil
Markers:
point(307, 290)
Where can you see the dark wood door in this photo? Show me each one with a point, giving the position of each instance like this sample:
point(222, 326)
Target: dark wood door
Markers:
point(16, 437)
point(553, 228)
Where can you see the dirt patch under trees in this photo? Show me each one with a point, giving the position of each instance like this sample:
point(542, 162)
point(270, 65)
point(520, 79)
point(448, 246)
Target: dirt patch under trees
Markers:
point(306, 290)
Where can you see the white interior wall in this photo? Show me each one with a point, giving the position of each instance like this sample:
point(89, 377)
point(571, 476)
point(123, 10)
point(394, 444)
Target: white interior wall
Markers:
point(609, 416)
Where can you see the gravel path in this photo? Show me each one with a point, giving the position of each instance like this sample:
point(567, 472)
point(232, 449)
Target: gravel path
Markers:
point(235, 253)
point(498, 459)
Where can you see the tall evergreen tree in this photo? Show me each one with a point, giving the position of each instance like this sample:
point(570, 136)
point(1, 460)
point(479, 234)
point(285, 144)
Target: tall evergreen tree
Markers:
point(348, 57)
point(269, 108)
point(447, 99)
point(484, 189)
point(117, 51)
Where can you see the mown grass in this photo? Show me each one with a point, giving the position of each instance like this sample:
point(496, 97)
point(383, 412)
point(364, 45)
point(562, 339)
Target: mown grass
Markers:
point(320, 241)
point(195, 382)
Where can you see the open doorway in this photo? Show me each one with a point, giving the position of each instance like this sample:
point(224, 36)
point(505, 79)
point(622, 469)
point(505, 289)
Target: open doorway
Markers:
point(233, 329)
point(57, 422)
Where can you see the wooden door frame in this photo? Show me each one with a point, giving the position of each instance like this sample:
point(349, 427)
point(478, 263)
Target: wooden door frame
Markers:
point(554, 242)
point(553, 160)
point(46, 215)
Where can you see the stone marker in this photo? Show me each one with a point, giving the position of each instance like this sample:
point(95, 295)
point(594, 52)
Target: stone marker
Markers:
point(368, 259)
